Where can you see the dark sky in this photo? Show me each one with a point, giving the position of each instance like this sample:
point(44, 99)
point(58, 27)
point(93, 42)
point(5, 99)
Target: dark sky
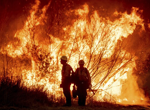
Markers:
point(10, 9)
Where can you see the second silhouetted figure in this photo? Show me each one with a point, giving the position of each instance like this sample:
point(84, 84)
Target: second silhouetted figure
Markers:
point(83, 83)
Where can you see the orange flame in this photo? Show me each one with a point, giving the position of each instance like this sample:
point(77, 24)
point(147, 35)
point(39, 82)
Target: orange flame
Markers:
point(95, 40)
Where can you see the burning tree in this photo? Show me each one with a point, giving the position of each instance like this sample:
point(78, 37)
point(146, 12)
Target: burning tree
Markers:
point(96, 39)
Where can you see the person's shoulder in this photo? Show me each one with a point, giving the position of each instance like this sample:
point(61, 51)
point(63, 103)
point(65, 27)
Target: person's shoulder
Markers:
point(69, 65)
point(77, 69)
point(85, 68)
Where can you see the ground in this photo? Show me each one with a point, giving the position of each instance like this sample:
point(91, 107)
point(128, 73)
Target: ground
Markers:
point(75, 107)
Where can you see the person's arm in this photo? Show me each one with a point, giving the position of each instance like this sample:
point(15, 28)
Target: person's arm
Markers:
point(76, 72)
point(61, 85)
point(89, 79)
point(75, 77)
point(72, 70)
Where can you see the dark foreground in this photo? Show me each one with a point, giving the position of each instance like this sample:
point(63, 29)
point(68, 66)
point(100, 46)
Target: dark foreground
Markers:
point(98, 106)
point(76, 108)
point(14, 96)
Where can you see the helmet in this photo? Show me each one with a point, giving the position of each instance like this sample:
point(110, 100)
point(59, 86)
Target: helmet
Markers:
point(81, 62)
point(64, 58)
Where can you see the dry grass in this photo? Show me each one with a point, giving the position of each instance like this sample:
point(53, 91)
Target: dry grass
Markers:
point(12, 94)
point(16, 97)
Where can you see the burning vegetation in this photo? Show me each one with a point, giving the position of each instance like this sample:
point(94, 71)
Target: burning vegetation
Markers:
point(112, 40)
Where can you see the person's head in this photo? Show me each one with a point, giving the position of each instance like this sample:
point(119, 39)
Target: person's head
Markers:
point(81, 63)
point(63, 60)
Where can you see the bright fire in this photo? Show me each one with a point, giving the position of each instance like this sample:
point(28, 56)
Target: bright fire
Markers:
point(95, 39)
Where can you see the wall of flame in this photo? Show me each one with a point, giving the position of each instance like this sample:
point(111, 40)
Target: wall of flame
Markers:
point(109, 44)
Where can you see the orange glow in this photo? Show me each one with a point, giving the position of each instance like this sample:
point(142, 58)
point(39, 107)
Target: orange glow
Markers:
point(95, 41)
point(83, 11)
point(148, 25)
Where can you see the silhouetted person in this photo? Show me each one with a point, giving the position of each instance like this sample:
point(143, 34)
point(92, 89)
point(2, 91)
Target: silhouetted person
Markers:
point(66, 79)
point(83, 83)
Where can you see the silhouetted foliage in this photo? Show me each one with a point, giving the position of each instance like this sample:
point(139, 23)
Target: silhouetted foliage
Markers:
point(146, 76)
point(13, 94)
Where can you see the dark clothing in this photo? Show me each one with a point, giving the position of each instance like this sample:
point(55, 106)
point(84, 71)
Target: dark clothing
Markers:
point(83, 81)
point(81, 90)
point(83, 75)
point(66, 72)
point(66, 82)
point(66, 91)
